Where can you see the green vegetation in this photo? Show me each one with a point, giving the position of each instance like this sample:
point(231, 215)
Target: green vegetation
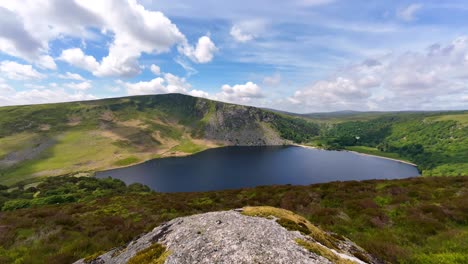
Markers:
point(323, 251)
point(127, 161)
point(187, 146)
point(296, 129)
point(418, 217)
point(59, 139)
point(292, 222)
point(436, 142)
point(155, 254)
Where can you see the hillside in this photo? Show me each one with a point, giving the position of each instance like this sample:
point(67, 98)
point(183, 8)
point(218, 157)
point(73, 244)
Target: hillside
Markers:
point(83, 137)
point(418, 220)
point(436, 141)
point(57, 139)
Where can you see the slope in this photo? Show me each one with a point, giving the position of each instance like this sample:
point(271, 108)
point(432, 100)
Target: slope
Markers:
point(57, 139)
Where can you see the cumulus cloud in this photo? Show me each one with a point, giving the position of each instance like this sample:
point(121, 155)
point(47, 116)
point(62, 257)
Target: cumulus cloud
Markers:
point(247, 30)
point(338, 93)
point(46, 62)
point(410, 80)
point(203, 52)
point(77, 58)
point(160, 85)
point(155, 69)
point(29, 25)
point(72, 76)
point(32, 24)
point(240, 93)
point(81, 86)
point(409, 13)
point(16, 71)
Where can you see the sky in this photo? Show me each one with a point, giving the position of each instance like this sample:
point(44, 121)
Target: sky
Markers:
point(299, 55)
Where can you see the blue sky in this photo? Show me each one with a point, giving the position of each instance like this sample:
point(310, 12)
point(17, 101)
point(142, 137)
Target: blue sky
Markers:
point(298, 55)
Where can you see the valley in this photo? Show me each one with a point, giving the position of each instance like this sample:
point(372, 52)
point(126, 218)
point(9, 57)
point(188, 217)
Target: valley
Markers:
point(41, 209)
point(81, 138)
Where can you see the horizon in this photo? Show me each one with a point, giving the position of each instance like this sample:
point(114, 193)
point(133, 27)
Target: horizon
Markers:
point(301, 56)
point(263, 108)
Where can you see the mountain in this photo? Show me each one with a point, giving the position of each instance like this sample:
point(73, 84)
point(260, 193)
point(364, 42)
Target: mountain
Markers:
point(82, 137)
point(247, 235)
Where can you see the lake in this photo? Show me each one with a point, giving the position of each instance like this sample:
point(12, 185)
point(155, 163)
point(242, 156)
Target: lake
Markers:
point(239, 167)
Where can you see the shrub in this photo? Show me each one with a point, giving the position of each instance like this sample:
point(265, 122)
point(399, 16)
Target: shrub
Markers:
point(16, 204)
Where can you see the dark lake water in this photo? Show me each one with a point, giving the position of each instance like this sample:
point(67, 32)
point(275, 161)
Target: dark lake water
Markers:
point(238, 167)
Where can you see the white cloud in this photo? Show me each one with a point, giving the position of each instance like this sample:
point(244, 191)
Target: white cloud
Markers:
point(247, 30)
point(4, 87)
point(338, 93)
point(239, 35)
point(199, 93)
point(155, 69)
point(46, 62)
point(16, 71)
point(169, 84)
point(184, 63)
point(30, 25)
point(411, 80)
point(77, 58)
point(39, 96)
point(273, 80)
point(72, 76)
point(203, 52)
point(239, 93)
point(409, 13)
point(82, 86)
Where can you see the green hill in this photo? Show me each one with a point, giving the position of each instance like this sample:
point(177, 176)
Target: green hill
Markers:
point(57, 139)
point(436, 141)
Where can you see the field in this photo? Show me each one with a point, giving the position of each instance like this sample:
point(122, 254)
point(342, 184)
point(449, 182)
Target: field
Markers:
point(418, 220)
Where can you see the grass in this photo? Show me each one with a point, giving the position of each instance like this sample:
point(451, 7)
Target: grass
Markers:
point(460, 118)
point(323, 251)
point(16, 142)
point(74, 151)
point(292, 221)
point(154, 254)
point(127, 161)
point(188, 146)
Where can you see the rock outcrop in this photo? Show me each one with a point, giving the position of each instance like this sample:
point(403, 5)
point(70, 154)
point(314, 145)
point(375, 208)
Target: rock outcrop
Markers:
point(237, 237)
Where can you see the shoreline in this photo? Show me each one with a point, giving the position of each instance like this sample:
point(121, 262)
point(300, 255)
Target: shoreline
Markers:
point(360, 153)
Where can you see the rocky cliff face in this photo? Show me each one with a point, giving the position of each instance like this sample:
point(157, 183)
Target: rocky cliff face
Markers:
point(237, 236)
point(240, 125)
